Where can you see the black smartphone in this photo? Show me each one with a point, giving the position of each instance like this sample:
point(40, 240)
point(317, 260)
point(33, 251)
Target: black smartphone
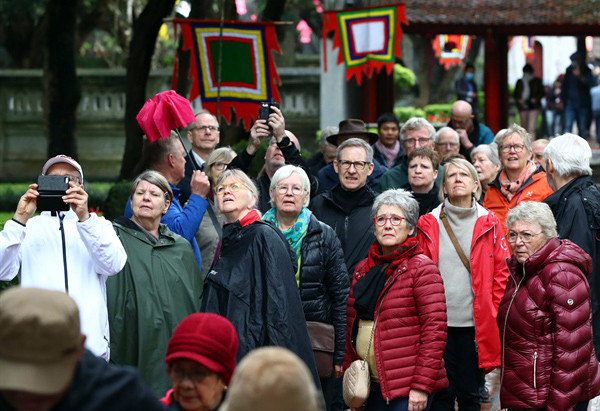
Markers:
point(52, 189)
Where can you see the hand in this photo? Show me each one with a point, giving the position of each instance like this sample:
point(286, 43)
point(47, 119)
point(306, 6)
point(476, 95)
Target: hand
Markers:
point(27, 204)
point(258, 132)
point(464, 138)
point(78, 199)
point(277, 123)
point(339, 370)
point(417, 400)
point(200, 184)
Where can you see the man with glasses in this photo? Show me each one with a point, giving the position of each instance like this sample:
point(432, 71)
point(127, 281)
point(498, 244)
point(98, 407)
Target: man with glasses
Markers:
point(447, 142)
point(72, 251)
point(416, 132)
point(347, 207)
point(203, 135)
point(471, 132)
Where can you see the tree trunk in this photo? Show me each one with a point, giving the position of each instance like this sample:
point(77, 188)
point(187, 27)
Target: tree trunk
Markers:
point(61, 86)
point(145, 30)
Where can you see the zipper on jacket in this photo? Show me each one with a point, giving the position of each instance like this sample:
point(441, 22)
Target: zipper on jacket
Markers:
point(506, 320)
point(535, 356)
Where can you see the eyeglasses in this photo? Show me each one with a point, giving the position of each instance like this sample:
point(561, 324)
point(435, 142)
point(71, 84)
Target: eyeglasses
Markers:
point(296, 190)
point(233, 187)
point(381, 220)
point(71, 177)
point(358, 165)
point(412, 141)
point(204, 128)
point(196, 375)
point(447, 145)
point(525, 237)
point(219, 166)
point(516, 147)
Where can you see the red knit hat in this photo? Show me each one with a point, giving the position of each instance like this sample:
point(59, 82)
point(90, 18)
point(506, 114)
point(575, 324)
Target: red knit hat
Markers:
point(208, 339)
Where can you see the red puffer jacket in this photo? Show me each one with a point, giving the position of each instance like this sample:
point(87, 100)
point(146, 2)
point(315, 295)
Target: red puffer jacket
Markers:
point(489, 272)
point(545, 319)
point(410, 336)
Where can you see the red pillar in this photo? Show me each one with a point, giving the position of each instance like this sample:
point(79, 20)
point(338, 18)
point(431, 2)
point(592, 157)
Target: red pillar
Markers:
point(496, 81)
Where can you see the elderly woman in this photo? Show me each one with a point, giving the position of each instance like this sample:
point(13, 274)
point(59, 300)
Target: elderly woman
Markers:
point(398, 291)
point(200, 360)
point(520, 179)
point(211, 228)
point(485, 160)
point(322, 277)
point(423, 166)
point(252, 283)
point(545, 317)
point(161, 271)
point(467, 243)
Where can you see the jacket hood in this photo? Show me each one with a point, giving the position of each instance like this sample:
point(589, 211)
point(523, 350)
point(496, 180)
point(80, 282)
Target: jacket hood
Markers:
point(555, 251)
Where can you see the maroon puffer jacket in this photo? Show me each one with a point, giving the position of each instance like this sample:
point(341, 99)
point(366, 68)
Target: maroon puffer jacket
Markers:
point(410, 336)
point(545, 320)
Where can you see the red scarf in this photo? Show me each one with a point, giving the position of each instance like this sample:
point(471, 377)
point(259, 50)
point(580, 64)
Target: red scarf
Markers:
point(249, 218)
point(405, 250)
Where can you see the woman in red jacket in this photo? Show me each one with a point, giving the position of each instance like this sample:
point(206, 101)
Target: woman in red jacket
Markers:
point(545, 317)
point(403, 289)
point(474, 282)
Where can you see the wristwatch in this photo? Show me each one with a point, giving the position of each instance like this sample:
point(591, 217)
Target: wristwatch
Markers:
point(285, 141)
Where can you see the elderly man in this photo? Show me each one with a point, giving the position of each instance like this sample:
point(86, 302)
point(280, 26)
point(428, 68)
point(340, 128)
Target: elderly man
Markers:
point(471, 132)
point(416, 132)
point(537, 151)
point(168, 158)
point(350, 128)
point(72, 251)
point(575, 204)
point(45, 367)
point(388, 150)
point(203, 135)
point(447, 142)
point(347, 207)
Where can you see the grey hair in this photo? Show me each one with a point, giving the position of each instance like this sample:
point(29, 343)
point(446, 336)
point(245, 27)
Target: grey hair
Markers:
point(203, 111)
point(240, 176)
point(514, 129)
point(463, 165)
point(355, 142)
point(401, 199)
point(444, 130)
point(327, 131)
point(534, 212)
point(283, 173)
point(156, 178)
point(489, 150)
point(219, 155)
point(570, 155)
point(417, 123)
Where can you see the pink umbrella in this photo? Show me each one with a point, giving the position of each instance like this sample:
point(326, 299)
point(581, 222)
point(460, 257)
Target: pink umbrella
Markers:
point(164, 112)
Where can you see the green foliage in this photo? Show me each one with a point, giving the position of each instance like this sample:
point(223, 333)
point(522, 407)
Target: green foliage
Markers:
point(404, 78)
point(258, 161)
point(404, 113)
point(114, 202)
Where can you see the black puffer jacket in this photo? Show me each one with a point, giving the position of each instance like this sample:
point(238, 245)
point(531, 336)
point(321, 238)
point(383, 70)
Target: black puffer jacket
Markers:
point(324, 281)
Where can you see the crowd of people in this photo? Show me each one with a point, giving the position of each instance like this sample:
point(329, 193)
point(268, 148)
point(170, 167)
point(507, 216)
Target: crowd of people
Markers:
point(434, 256)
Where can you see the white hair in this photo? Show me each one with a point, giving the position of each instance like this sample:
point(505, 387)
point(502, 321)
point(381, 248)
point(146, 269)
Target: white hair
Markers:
point(417, 123)
point(447, 129)
point(534, 212)
point(283, 173)
point(489, 150)
point(570, 155)
point(401, 199)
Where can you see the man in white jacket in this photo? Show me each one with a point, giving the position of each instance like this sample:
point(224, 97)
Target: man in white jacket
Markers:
point(72, 251)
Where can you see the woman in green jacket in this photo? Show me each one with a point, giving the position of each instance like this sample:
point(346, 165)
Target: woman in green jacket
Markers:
point(158, 287)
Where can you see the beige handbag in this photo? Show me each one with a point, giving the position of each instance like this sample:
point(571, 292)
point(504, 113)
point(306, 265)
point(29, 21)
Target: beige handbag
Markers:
point(357, 378)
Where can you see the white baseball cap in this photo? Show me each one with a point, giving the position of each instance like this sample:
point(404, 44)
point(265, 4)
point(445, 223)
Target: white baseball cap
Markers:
point(61, 158)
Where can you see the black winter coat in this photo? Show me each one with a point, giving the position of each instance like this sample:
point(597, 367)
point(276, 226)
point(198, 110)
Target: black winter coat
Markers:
point(324, 281)
point(576, 209)
point(253, 285)
point(354, 229)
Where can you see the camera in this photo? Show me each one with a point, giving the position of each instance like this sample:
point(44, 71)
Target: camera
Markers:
point(52, 189)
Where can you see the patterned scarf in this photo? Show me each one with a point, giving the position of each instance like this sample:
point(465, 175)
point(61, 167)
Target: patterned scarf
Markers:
point(508, 188)
point(390, 154)
point(296, 233)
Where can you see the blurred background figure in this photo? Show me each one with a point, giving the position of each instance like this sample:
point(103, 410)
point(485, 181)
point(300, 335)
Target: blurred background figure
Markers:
point(322, 277)
point(595, 95)
point(576, 95)
point(388, 150)
point(537, 152)
point(528, 95)
point(200, 359)
point(423, 166)
point(326, 153)
point(545, 316)
point(466, 88)
point(272, 379)
point(447, 141)
point(554, 108)
point(486, 162)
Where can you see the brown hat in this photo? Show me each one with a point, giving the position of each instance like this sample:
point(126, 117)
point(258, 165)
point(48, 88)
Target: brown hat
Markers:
point(353, 127)
point(40, 340)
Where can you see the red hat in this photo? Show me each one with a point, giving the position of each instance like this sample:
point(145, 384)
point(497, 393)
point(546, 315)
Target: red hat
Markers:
point(209, 339)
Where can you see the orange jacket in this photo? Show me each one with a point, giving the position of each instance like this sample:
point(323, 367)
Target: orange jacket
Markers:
point(535, 188)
